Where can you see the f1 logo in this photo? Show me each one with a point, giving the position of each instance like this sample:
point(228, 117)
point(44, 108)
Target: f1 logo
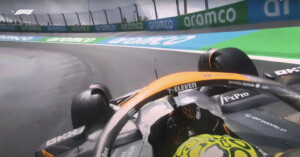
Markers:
point(24, 12)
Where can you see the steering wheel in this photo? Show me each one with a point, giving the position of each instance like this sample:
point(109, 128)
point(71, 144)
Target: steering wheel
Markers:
point(188, 80)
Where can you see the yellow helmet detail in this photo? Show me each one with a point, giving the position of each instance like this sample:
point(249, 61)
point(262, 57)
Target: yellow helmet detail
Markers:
point(206, 145)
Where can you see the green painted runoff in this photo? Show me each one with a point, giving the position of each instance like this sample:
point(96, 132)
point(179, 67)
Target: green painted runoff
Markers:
point(275, 42)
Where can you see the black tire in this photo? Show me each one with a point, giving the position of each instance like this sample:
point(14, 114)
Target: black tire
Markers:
point(227, 60)
point(90, 110)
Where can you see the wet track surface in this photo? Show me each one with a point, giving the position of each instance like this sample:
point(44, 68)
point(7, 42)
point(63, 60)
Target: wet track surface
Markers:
point(38, 81)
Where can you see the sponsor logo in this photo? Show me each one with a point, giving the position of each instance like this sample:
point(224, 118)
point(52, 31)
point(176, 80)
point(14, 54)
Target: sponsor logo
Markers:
point(105, 28)
point(152, 40)
point(183, 87)
point(57, 29)
point(272, 8)
point(248, 84)
point(24, 12)
point(105, 152)
point(132, 26)
point(265, 122)
point(8, 28)
point(211, 17)
point(15, 38)
point(161, 25)
point(287, 71)
point(81, 29)
point(31, 28)
point(71, 40)
point(236, 96)
point(65, 136)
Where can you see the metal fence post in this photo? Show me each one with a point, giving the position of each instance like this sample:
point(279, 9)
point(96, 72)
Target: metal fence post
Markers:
point(21, 19)
point(64, 19)
point(36, 20)
point(78, 18)
point(5, 18)
point(206, 4)
point(177, 5)
point(105, 16)
point(50, 19)
point(137, 12)
point(121, 14)
point(155, 9)
point(185, 6)
point(91, 14)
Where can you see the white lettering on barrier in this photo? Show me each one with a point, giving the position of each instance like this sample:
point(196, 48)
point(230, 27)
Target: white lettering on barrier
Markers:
point(132, 26)
point(32, 28)
point(15, 38)
point(211, 17)
point(233, 13)
point(57, 29)
point(161, 24)
point(275, 5)
point(81, 29)
point(100, 28)
point(222, 11)
point(152, 40)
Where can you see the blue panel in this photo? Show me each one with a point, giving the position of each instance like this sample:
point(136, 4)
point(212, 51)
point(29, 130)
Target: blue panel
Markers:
point(8, 28)
point(273, 10)
point(162, 24)
point(56, 29)
point(106, 28)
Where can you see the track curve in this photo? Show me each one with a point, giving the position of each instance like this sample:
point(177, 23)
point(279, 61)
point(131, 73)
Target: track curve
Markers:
point(38, 81)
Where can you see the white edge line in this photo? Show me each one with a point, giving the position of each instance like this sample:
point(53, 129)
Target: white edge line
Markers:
point(263, 58)
point(276, 59)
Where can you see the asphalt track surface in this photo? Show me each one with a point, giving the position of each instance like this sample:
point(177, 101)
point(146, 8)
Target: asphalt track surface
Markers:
point(38, 81)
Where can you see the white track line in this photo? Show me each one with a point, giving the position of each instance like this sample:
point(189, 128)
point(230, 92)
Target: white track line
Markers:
point(270, 59)
point(276, 59)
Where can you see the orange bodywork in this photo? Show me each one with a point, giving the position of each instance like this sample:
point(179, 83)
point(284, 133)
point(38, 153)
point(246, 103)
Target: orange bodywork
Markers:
point(177, 79)
point(46, 154)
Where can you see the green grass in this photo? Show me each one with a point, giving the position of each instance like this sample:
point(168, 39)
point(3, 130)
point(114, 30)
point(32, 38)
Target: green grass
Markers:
point(277, 42)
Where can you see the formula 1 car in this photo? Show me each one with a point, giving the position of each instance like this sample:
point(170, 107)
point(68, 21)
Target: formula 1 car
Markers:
point(225, 97)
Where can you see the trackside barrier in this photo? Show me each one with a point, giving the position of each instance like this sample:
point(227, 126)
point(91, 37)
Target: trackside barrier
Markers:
point(162, 24)
point(8, 28)
point(106, 28)
point(32, 29)
point(244, 12)
point(56, 29)
point(222, 16)
point(273, 10)
point(134, 26)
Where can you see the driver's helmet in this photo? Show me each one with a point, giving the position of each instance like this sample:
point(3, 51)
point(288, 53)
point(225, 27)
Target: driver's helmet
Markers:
point(207, 145)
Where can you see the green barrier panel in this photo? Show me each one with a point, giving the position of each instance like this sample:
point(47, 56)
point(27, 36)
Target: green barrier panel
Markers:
point(32, 28)
point(81, 29)
point(77, 40)
point(134, 26)
point(236, 13)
